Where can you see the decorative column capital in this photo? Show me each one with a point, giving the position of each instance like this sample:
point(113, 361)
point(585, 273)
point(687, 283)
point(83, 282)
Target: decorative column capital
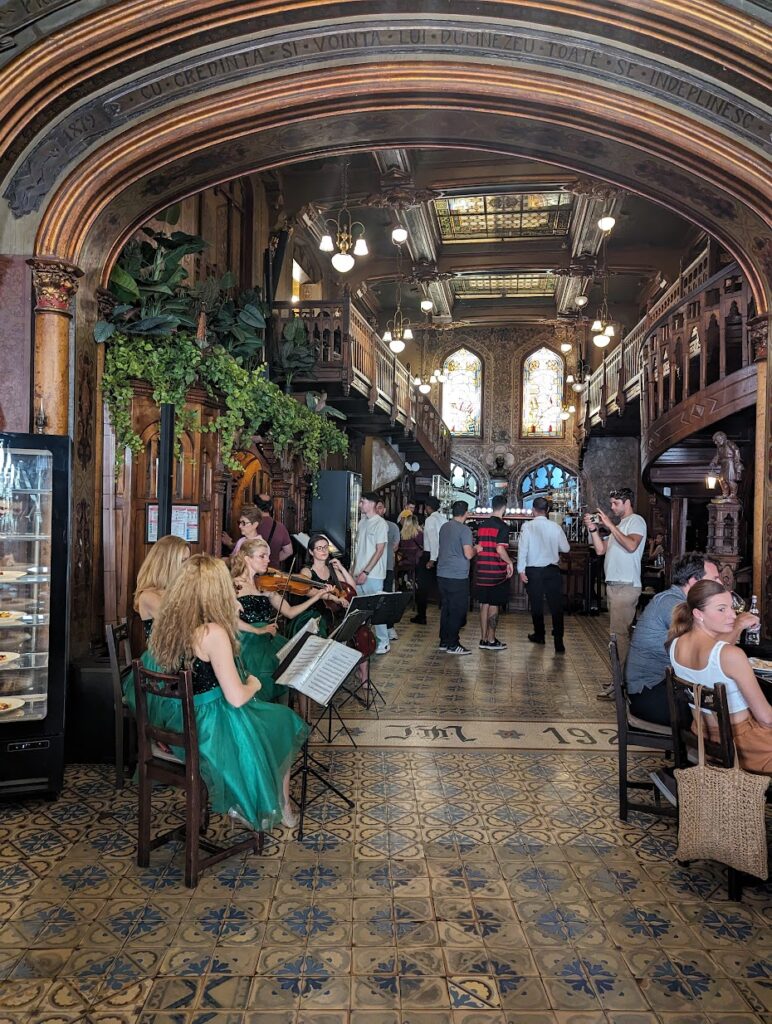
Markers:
point(758, 335)
point(55, 282)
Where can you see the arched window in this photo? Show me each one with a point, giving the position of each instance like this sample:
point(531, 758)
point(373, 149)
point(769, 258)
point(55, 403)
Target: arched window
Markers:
point(549, 480)
point(464, 484)
point(542, 394)
point(462, 393)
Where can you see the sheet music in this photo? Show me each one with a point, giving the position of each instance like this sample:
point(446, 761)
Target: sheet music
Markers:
point(309, 626)
point(320, 668)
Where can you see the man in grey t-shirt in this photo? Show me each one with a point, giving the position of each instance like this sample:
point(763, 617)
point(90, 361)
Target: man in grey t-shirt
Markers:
point(456, 550)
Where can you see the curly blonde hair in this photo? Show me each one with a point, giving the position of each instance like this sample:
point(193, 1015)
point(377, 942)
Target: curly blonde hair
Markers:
point(247, 550)
point(161, 565)
point(200, 594)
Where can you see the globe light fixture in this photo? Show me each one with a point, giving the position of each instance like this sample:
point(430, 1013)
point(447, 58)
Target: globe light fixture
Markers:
point(607, 222)
point(581, 301)
point(343, 261)
point(578, 387)
point(601, 340)
point(426, 305)
point(424, 388)
point(564, 414)
point(399, 235)
point(566, 346)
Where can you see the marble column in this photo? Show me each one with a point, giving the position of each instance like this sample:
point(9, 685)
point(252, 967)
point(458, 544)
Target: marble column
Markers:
point(54, 282)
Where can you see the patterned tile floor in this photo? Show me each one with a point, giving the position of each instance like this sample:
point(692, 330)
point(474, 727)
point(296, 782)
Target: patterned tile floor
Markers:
point(464, 888)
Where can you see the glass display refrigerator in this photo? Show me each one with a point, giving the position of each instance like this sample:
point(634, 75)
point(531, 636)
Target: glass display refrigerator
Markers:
point(34, 532)
point(335, 509)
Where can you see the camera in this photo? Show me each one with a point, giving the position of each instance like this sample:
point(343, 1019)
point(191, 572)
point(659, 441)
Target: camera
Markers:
point(594, 517)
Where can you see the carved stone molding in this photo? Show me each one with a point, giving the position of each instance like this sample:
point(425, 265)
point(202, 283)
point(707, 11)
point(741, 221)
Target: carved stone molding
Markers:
point(758, 333)
point(594, 189)
point(426, 272)
point(399, 192)
point(55, 283)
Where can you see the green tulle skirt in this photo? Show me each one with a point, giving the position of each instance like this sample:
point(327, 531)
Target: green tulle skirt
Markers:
point(244, 752)
point(258, 657)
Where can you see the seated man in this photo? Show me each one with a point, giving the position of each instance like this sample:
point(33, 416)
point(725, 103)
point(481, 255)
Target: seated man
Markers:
point(648, 657)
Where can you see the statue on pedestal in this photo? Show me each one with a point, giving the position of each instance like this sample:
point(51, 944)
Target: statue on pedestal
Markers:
point(727, 465)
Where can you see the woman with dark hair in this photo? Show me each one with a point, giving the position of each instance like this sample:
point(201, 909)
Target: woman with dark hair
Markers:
point(702, 652)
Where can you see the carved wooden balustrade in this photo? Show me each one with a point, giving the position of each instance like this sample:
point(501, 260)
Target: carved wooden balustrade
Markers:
point(618, 379)
point(352, 355)
point(690, 360)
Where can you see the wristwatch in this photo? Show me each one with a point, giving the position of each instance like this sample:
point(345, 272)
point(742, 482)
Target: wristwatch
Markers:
point(366, 572)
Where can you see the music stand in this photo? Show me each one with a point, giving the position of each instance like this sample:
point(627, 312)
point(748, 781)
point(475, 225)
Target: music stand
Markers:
point(380, 610)
point(309, 764)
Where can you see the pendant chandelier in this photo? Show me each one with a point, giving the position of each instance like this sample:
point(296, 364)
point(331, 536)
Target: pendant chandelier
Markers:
point(602, 328)
point(398, 329)
point(349, 235)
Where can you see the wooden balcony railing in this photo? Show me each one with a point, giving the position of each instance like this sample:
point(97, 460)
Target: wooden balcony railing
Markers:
point(620, 375)
point(694, 337)
point(352, 354)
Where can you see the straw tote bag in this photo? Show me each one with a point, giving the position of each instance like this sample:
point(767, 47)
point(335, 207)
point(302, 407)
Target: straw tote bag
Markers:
point(721, 812)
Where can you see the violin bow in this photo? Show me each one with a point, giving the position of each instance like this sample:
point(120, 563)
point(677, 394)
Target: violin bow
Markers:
point(284, 592)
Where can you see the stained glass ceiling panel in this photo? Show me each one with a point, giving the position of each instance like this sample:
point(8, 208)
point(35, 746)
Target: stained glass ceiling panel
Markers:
point(503, 286)
point(503, 217)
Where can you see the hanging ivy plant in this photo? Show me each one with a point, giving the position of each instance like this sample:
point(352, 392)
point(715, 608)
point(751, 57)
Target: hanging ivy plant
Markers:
point(154, 333)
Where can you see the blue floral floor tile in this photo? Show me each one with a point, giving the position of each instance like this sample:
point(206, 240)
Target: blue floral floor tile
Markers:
point(489, 886)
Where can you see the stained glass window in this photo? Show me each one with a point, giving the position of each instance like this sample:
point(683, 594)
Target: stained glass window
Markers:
point(462, 393)
point(463, 483)
point(542, 394)
point(554, 482)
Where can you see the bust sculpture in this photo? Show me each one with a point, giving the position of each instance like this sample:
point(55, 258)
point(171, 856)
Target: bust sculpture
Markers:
point(727, 465)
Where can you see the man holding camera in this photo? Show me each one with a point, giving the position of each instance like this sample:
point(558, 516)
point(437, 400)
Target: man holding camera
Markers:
point(623, 547)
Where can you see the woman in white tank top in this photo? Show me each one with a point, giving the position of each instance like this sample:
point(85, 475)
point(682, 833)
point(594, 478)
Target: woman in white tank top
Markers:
point(700, 653)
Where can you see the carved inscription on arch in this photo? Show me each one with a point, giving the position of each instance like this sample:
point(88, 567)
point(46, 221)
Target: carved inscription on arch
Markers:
point(299, 51)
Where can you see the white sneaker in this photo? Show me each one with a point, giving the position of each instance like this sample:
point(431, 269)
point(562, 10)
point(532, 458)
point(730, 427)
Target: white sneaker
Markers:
point(383, 650)
point(393, 634)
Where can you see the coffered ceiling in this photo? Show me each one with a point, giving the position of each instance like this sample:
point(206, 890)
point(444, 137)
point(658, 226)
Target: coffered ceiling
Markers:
point(491, 240)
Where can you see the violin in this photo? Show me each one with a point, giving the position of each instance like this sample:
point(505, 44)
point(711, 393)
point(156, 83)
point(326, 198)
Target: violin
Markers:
point(276, 582)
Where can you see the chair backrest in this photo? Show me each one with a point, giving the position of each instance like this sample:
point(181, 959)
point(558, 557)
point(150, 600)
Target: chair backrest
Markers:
point(681, 697)
point(166, 686)
point(618, 680)
point(119, 652)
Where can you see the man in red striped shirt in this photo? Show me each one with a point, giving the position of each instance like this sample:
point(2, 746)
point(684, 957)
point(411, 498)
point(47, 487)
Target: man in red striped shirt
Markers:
point(493, 572)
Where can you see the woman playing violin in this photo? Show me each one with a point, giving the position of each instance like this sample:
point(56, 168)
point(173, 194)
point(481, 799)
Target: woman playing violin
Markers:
point(323, 569)
point(258, 610)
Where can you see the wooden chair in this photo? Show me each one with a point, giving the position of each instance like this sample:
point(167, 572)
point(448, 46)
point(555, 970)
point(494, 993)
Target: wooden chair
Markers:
point(119, 651)
point(721, 751)
point(632, 731)
point(155, 765)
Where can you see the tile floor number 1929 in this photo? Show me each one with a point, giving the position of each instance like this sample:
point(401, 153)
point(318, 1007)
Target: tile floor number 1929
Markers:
point(521, 735)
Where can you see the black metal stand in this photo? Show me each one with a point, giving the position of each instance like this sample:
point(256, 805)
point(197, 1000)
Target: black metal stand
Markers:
point(309, 765)
point(370, 696)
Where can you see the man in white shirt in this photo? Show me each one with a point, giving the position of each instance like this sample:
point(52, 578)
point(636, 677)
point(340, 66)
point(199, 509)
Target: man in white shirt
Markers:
point(369, 566)
point(426, 570)
point(538, 554)
point(622, 567)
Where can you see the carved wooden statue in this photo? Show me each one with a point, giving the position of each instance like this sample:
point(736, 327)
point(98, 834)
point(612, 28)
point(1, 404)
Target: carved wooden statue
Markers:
point(727, 465)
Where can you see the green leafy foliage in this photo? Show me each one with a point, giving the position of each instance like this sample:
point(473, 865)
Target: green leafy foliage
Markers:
point(295, 354)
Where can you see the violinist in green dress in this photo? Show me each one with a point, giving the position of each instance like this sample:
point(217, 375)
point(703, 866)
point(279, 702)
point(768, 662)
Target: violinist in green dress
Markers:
point(260, 642)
